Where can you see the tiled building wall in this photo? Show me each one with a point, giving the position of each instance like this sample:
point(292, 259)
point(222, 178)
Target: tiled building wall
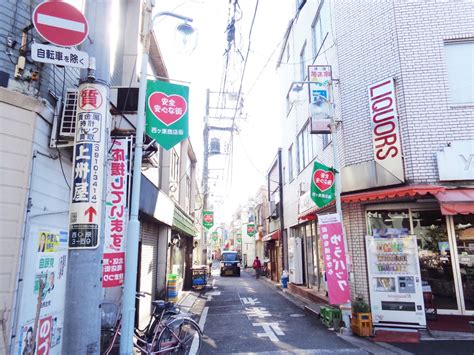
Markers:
point(429, 122)
point(403, 40)
point(356, 229)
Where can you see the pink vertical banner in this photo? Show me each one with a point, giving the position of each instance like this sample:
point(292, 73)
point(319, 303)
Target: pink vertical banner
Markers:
point(330, 231)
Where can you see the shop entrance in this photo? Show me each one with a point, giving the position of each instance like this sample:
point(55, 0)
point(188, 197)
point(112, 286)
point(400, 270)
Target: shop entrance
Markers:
point(445, 250)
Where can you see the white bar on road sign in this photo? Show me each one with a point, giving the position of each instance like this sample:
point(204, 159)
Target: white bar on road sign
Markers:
point(45, 53)
point(61, 23)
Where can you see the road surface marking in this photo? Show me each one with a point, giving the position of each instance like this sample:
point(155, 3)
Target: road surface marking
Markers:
point(271, 330)
point(258, 312)
point(250, 300)
point(202, 322)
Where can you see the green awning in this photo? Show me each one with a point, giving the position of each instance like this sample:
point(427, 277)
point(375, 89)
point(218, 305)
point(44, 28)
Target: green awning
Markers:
point(183, 222)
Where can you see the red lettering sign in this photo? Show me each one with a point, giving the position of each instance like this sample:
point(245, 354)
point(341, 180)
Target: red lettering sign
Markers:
point(44, 336)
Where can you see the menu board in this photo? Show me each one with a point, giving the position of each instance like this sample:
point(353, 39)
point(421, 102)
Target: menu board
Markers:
point(394, 281)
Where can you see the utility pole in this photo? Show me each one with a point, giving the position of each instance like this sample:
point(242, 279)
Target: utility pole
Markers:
point(222, 118)
point(82, 324)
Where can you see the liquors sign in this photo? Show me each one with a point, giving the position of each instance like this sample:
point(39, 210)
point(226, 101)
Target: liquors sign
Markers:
point(384, 126)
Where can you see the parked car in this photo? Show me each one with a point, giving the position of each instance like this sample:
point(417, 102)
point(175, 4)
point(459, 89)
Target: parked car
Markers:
point(230, 263)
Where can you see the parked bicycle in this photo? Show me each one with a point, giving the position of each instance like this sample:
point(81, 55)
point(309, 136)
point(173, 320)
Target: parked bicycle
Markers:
point(169, 331)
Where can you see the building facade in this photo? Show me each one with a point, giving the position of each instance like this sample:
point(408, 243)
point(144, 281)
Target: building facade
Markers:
point(403, 95)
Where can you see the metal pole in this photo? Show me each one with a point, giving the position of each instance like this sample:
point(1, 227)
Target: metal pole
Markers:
point(82, 323)
point(131, 257)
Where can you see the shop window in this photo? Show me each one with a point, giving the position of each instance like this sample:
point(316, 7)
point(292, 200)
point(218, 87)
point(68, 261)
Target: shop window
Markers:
point(435, 256)
point(464, 231)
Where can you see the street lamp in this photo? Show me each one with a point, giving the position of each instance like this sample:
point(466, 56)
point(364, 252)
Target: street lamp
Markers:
point(131, 257)
point(322, 109)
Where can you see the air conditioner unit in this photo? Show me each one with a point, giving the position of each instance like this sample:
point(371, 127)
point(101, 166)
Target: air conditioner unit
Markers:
point(64, 126)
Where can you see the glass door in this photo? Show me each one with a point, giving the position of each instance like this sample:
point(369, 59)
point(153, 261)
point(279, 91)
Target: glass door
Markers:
point(464, 242)
point(436, 258)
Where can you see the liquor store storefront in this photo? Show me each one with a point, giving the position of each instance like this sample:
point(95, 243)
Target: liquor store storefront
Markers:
point(442, 220)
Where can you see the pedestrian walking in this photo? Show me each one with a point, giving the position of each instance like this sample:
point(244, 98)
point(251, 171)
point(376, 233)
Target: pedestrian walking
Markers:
point(257, 266)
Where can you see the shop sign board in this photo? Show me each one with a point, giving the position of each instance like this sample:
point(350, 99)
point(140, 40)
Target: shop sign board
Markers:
point(396, 293)
point(323, 185)
point(208, 219)
point(456, 162)
point(113, 266)
point(167, 113)
point(88, 167)
point(251, 229)
point(44, 53)
point(320, 77)
point(335, 266)
point(60, 23)
point(385, 127)
point(42, 300)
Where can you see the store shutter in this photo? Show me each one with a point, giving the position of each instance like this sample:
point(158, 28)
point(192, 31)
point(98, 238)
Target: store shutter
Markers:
point(147, 268)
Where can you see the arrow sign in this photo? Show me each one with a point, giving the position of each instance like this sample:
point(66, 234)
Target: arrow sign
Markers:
point(91, 212)
point(60, 23)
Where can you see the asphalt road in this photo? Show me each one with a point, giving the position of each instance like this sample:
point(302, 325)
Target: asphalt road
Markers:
point(244, 315)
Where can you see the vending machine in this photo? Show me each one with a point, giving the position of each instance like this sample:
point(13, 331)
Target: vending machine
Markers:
point(295, 260)
point(396, 293)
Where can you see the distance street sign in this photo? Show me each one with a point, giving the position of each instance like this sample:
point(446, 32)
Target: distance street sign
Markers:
point(60, 56)
point(60, 23)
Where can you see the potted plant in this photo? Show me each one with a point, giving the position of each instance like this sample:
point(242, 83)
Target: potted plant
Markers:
point(361, 322)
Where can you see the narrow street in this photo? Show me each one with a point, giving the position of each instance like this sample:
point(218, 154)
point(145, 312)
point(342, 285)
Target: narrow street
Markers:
point(245, 315)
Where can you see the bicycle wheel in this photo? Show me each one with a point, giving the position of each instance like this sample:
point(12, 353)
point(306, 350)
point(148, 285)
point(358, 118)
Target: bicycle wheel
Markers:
point(180, 336)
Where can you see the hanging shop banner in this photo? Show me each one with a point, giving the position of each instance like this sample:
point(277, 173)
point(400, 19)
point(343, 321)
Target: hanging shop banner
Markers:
point(251, 229)
point(208, 219)
point(385, 127)
point(167, 113)
point(88, 166)
point(113, 266)
point(214, 236)
point(42, 302)
point(320, 77)
point(323, 187)
point(396, 290)
point(330, 230)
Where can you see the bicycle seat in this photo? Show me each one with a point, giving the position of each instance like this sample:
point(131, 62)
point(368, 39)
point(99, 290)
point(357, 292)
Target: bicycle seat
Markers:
point(162, 305)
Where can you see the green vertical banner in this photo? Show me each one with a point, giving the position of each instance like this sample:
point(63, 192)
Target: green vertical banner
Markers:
point(323, 188)
point(167, 113)
point(208, 219)
point(214, 236)
point(251, 229)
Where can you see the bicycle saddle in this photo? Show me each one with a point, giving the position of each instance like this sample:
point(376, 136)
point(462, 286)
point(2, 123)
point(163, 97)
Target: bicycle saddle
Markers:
point(161, 305)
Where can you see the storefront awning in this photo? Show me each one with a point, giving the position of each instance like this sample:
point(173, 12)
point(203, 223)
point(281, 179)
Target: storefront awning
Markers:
point(402, 191)
point(456, 201)
point(272, 236)
point(310, 214)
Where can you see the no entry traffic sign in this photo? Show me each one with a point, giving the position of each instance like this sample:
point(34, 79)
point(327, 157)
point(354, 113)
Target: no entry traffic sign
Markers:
point(60, 23)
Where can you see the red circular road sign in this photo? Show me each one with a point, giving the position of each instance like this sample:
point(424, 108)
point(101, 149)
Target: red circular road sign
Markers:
point(60, 23)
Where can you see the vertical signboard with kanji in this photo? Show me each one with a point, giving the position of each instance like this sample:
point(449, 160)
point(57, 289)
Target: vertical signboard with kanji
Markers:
point(88, 166)
point(167, 113)
point(113, 267)
point(335, 266)
point(42, 299)
point(323, 188)
point(320, 77)
point(208, 219)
